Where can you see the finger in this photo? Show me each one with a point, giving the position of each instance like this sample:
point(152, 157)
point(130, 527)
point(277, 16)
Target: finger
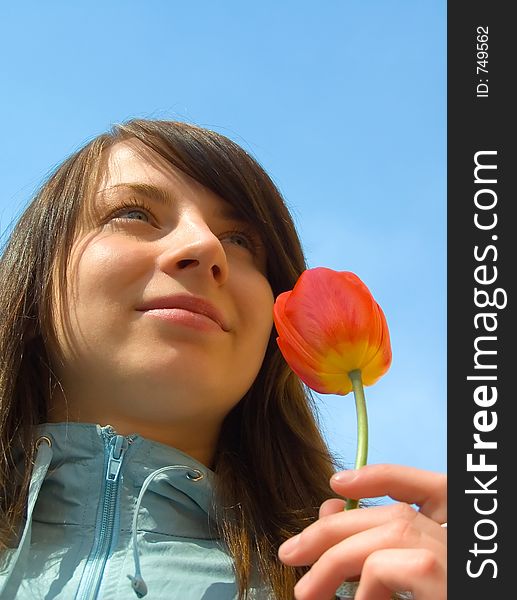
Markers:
point(427, 489)
point(320, 536)
point(401, 570)
point(329, 507)
point(345, 560)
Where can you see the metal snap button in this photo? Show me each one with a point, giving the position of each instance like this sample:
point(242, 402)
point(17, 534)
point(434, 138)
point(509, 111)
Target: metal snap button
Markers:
point(194, 475)
point(43, 438)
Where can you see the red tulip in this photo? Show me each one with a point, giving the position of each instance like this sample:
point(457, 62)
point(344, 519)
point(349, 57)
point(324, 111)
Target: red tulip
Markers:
point(330, 325)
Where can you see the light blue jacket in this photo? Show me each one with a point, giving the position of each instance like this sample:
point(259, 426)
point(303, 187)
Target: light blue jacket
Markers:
point(112, 518)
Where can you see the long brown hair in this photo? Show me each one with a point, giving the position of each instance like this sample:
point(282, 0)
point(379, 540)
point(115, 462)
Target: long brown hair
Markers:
point(272, 463)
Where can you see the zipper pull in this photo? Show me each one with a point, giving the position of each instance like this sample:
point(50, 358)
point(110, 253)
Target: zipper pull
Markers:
point(118, 445)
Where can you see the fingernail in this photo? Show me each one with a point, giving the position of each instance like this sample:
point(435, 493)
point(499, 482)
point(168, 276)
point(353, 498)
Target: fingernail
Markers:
point(344, 476)
point(290, 545)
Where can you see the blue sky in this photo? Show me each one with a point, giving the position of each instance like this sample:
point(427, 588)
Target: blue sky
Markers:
point(343, 103)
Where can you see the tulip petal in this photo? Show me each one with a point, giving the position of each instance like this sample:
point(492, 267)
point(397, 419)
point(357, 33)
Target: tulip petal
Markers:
point(326, 307)
point(336, 384)
point(310, 377)
point(304, 351)
point(329, 325)
point(319, 380)
point(287, 332)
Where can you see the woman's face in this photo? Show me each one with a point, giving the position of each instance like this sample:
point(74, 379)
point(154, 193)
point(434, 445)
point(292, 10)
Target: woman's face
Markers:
point(169, 310)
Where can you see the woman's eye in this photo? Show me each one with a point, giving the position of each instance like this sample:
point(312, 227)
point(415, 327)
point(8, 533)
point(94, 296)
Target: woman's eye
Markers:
point(133, 214)
point(132, 210)
point(240, 238)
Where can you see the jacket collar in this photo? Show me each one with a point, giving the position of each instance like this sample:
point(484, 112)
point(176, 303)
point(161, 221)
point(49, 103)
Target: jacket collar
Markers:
point(160, 490)
point(178, 501)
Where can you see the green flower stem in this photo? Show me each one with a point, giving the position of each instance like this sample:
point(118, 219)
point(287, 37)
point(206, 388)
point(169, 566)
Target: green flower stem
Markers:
point(362, 427)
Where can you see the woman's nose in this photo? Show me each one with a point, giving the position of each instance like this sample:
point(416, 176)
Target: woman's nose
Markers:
point(193, 248)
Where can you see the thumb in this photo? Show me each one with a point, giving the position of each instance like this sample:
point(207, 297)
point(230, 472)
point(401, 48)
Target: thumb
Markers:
point(426, 489)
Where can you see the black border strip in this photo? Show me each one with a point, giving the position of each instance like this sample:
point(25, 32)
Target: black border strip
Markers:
point(482, 354)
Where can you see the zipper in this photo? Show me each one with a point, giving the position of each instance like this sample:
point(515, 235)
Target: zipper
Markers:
point(115, 448)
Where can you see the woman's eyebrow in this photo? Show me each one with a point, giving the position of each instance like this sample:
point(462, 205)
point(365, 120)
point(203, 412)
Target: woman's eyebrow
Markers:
point(153, 192)
point(167, 198)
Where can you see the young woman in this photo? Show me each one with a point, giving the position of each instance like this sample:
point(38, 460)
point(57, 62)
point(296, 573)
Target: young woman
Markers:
point(152, 436)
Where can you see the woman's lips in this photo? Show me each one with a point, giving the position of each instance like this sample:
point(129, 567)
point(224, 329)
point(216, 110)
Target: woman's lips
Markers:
point(188, 309)
point(185, 317)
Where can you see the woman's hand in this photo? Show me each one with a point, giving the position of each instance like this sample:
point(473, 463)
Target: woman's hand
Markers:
point(391, 547)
